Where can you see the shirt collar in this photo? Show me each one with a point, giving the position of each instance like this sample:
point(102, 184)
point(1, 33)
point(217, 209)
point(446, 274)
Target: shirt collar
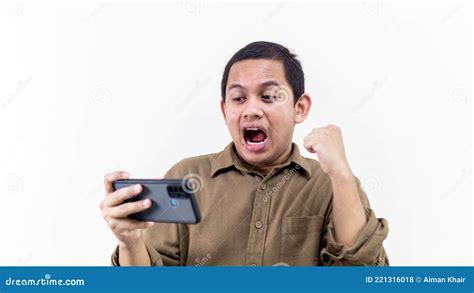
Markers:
point(229, 158)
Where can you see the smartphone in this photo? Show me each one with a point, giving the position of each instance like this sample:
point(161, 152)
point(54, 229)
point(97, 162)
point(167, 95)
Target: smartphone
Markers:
point(171, 201)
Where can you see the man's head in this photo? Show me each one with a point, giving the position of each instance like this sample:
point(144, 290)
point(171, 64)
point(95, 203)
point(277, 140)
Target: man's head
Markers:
point(293, 72)
point(262, 99)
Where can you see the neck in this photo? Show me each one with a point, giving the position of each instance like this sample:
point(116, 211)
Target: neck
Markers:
point(282, 158)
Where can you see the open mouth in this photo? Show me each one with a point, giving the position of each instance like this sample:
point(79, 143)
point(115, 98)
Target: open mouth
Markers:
point(254, 135)
point(255, 138)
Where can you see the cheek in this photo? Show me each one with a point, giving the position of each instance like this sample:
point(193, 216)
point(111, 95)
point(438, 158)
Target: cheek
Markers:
point(232, 116)
point(282, 122)
point(232, 121)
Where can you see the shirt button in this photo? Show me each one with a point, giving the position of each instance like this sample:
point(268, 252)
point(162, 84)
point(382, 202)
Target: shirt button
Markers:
point(258, 224)
point(263, 186)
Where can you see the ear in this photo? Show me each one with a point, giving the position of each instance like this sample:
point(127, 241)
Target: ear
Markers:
point(302, 107)
point(223, 109)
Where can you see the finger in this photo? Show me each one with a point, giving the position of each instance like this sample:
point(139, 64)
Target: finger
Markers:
point(309, 148)
point(126, 209)
point(316, 137)
point(122, 194)
point(310, 142)
point(308, 145)
point(319, 129)
point(119, 225)
point(333, 127)
point(114, 176)
point(322, 132)
point(130, 224)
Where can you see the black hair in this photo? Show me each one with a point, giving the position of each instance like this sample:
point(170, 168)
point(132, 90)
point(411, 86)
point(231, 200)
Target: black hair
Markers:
point(268, 50)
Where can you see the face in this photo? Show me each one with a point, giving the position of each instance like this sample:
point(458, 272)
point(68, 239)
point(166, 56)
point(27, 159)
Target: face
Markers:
point(260, 112)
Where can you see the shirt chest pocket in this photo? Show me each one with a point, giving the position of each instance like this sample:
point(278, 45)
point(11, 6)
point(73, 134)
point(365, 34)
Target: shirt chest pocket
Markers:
point(300, 237)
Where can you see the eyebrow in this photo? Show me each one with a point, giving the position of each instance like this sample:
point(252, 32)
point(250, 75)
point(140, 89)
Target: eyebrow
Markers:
point(262, 85)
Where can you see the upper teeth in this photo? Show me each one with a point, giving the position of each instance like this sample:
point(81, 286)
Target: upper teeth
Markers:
point(251, 128)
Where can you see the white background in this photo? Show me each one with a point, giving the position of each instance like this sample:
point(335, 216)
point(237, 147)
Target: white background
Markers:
point(90, 88)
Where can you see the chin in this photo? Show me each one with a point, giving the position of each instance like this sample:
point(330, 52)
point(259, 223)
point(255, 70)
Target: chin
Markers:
point(254, 155)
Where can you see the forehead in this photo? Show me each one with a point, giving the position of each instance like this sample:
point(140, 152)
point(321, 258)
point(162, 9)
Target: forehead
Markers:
point(252, 72)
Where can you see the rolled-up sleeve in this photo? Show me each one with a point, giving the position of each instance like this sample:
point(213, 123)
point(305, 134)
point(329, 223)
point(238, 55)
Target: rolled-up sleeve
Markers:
point(368, 248)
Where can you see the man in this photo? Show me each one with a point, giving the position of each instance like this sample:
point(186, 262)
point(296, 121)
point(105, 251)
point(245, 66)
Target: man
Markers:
point(262, 203)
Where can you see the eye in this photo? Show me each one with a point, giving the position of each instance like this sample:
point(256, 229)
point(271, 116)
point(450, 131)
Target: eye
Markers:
point(269, 98)
point(238, 99)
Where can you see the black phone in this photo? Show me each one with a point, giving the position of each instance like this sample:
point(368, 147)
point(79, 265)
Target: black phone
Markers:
point(171, 201)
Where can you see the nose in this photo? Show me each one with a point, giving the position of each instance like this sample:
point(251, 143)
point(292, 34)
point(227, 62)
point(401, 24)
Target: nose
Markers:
point(253, 109)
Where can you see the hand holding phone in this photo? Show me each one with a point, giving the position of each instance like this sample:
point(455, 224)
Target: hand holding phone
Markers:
point(134, 204)
point(171, 202)
point(116, 212)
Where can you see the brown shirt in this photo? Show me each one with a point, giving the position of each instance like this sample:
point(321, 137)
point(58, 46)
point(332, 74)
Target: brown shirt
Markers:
point(283, 218)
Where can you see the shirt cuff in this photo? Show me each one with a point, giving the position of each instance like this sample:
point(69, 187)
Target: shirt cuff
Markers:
point(155, 257)
point(367, 249)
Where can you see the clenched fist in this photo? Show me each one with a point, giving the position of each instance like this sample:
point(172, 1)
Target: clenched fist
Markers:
point(327, 143)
